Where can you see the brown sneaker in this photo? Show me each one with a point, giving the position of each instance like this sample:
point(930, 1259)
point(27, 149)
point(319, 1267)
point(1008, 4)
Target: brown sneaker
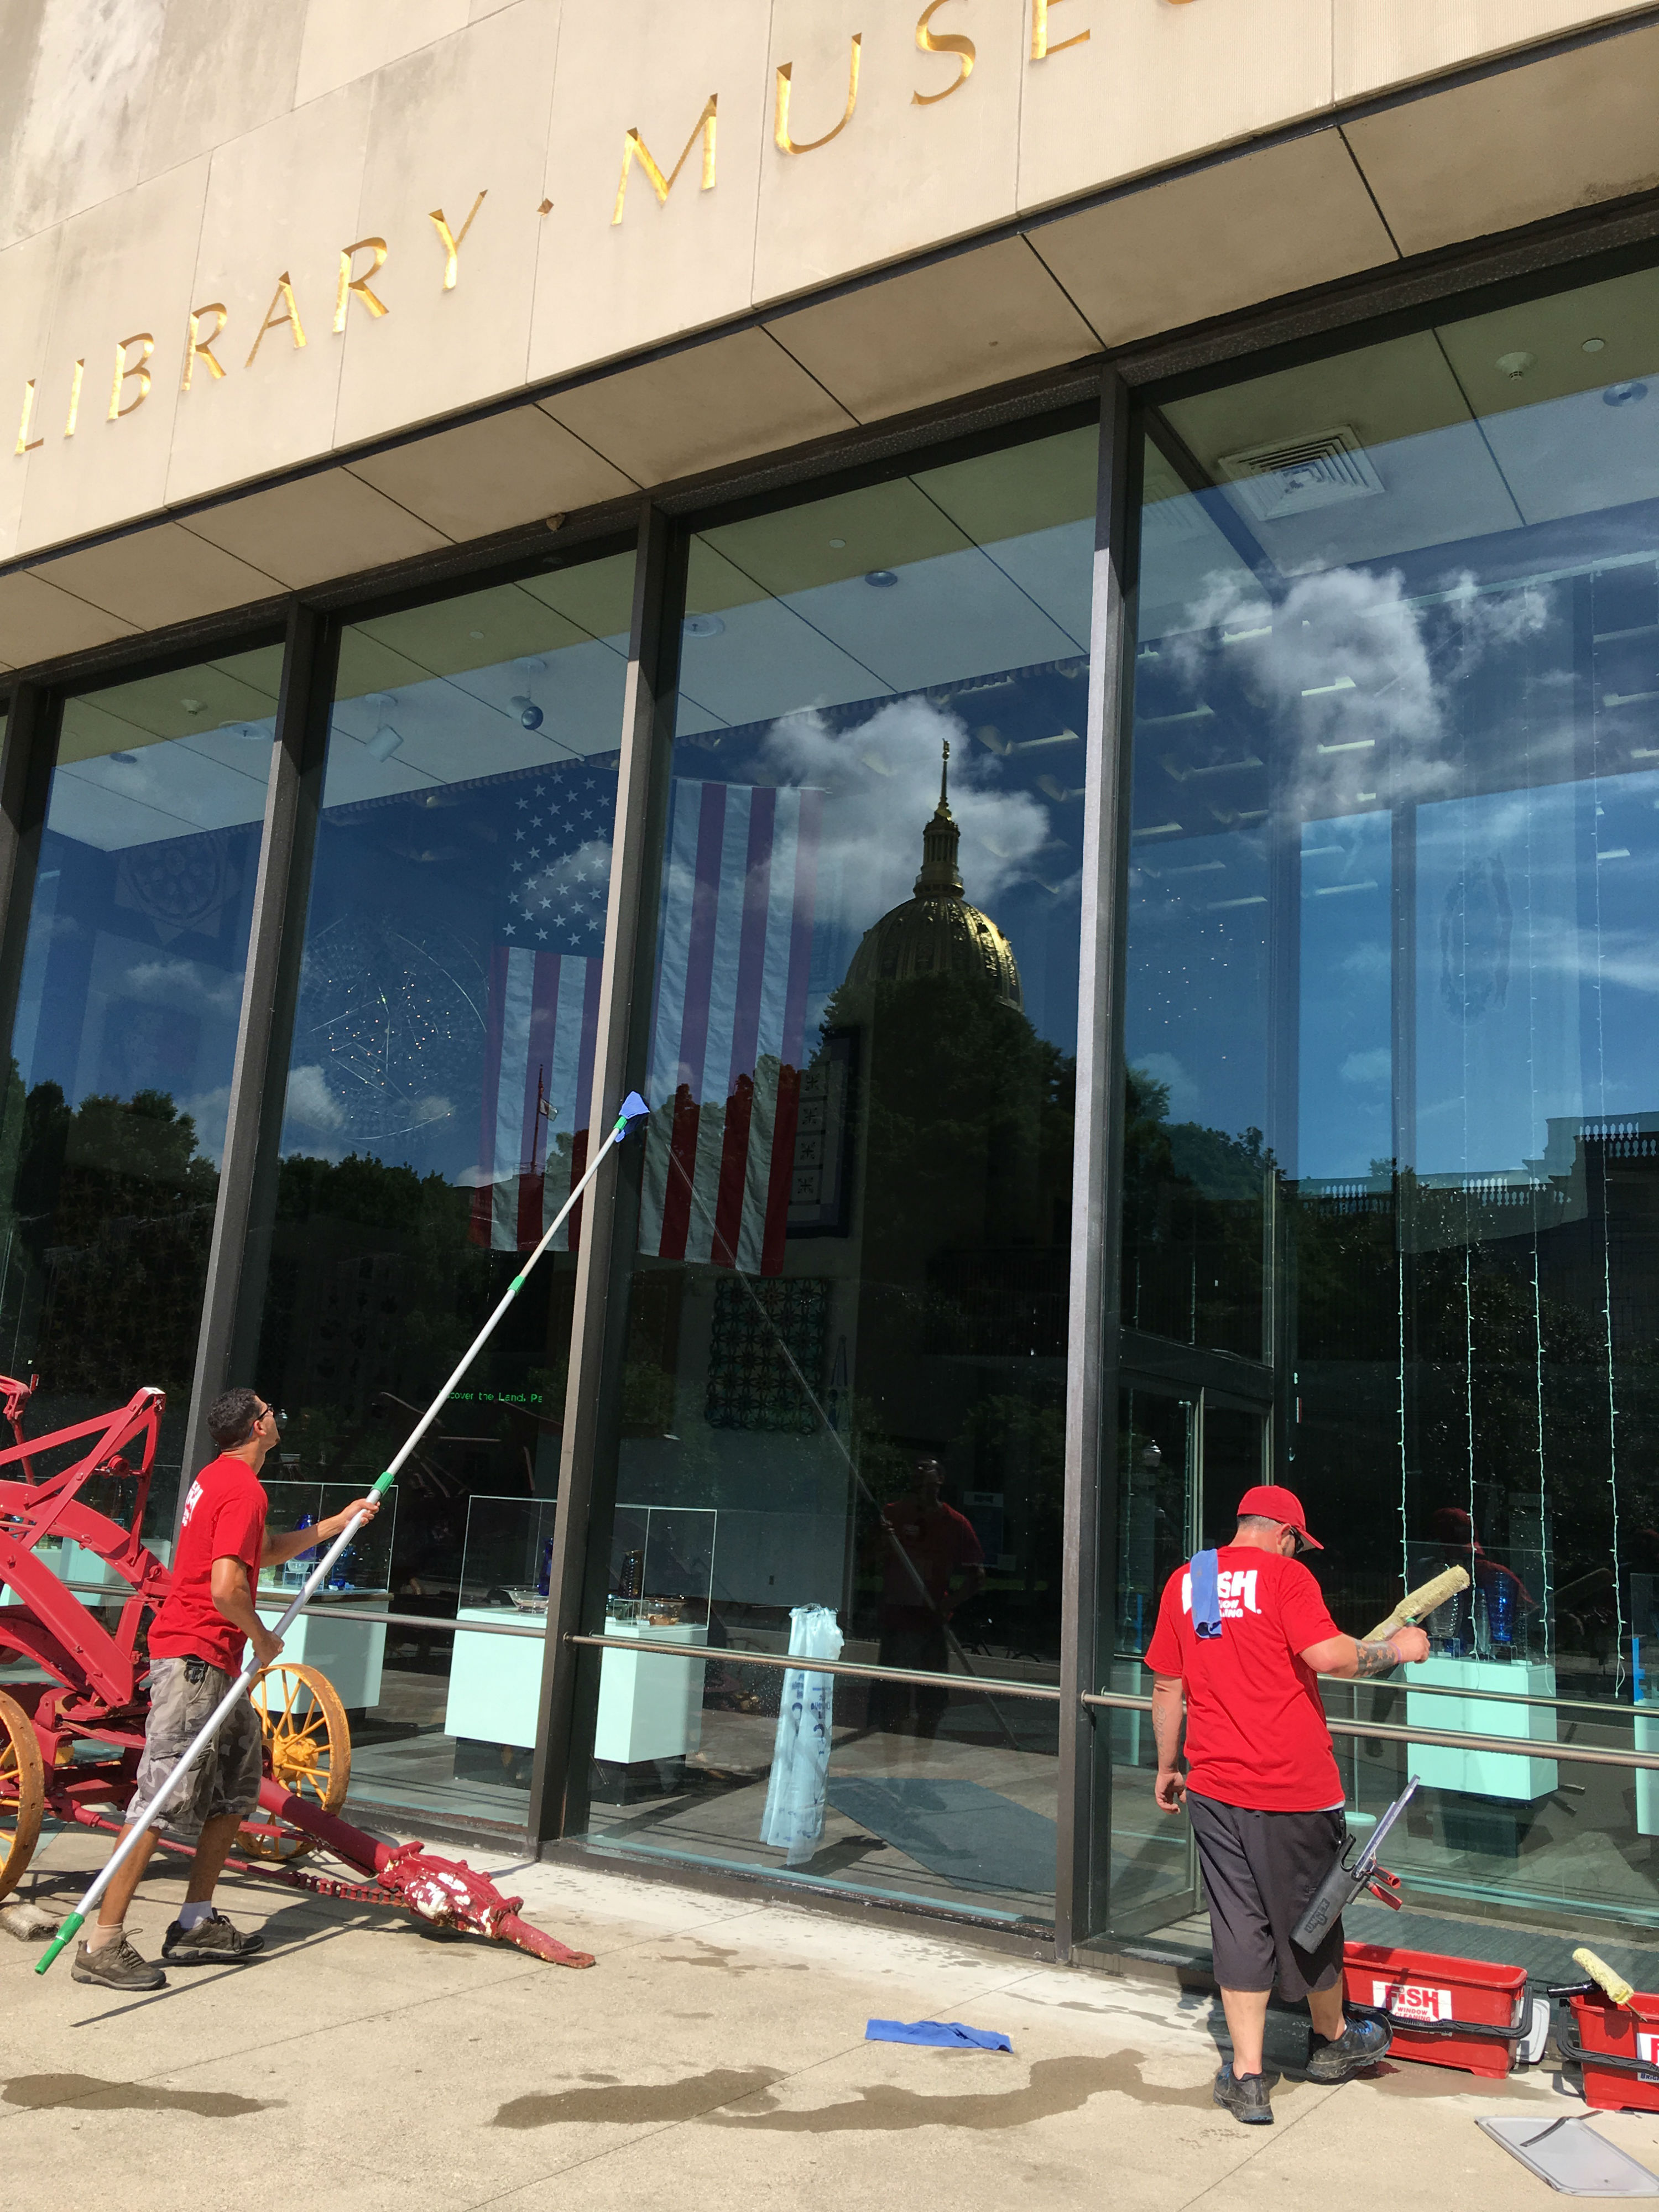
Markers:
point(117, 1966)
point(210, 1942)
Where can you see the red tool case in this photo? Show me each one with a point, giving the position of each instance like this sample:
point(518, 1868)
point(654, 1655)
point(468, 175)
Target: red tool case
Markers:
point(1617, 2047)
point(1465, 2012)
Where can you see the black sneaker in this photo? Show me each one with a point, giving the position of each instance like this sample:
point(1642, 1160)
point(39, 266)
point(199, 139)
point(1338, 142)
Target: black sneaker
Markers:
point(1360, 2045)
point(1245, 2096)
point(210, 1942)
point(116, 1967)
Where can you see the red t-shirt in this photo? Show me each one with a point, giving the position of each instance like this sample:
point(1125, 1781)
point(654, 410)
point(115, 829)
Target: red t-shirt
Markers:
point(224, 1518)
point(938, 1540)
point(1255, 1730)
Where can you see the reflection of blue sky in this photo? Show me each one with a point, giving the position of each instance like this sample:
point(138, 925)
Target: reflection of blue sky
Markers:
point(1538, 967)
point(1197, 985)
point(1344, 1060)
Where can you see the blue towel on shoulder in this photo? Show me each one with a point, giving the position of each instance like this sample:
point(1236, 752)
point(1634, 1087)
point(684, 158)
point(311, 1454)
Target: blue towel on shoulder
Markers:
point(942, 2035)
point(1206, 1595)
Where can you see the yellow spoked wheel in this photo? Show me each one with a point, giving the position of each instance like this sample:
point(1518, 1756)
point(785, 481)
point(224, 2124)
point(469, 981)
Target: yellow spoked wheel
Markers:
point(308, 1748)
point(23, 1791)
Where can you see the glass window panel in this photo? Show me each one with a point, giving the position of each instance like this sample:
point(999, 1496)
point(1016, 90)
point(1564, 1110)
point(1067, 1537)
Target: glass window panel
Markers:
point(1393, 1124)
point(856, 1193)
point(435, 1114)
point(123, 1040)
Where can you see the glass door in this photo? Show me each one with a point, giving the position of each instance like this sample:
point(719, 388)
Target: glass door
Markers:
point(1153, 1872)
point(1185, 1458)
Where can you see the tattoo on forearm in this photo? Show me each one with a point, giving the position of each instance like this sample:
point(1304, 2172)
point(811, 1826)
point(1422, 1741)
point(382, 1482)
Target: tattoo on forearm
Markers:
point(1168, 1714)
point(1374, 1659)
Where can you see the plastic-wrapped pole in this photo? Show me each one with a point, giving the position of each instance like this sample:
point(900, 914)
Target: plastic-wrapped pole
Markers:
point(633, 1111)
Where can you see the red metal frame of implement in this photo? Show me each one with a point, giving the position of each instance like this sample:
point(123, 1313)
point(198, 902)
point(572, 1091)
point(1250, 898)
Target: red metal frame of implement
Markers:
point(93, 1695)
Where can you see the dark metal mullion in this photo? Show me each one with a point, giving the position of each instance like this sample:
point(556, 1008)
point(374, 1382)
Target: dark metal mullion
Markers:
point(27, 760)
point(610, 1220)
point(260, 1069)
point(1090, 1508)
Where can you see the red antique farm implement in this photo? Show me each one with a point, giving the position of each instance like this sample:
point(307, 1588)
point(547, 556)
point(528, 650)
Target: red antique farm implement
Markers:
point(72, 1725)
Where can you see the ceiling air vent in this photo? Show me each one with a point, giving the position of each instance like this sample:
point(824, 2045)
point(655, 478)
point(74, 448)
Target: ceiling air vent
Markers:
point(1298, 475)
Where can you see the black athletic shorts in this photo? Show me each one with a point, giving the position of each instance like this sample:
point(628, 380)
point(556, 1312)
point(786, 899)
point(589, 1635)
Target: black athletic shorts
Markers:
point(1260, 1870)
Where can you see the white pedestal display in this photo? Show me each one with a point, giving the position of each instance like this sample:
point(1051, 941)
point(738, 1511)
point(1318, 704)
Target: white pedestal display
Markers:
point(1508, 1775)
point(650, 1704)
point(494, 1681)
point(351, 1653)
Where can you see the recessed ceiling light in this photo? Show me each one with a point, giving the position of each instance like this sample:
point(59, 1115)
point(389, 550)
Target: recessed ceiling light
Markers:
point(837, 544)
point(127, 760)
point(475, 635)
point(1624, 395)
point(1594, 345)
point(1516, 364)
point(883, 579)
point(191, 705)
point(703, 626)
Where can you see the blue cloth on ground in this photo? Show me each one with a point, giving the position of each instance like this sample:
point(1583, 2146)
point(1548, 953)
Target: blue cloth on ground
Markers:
point(1207, 1594)
point(939, 2034)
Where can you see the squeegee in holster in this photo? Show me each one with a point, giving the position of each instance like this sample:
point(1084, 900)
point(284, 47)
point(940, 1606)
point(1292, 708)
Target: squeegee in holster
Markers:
point(1349, 1878)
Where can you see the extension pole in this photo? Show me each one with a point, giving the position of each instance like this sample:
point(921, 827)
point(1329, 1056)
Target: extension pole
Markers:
point(632, 1110)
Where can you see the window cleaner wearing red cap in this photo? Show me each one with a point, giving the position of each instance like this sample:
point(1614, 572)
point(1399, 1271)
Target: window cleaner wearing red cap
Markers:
point(1242, 1634)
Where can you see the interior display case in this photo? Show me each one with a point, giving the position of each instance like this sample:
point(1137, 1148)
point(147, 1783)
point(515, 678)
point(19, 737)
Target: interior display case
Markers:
point(351, 1653)
point(1492, 1636)
point(495, 1680)
point(661, 1577)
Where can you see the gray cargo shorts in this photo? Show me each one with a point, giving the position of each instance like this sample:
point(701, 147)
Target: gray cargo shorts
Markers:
point(225, 1778)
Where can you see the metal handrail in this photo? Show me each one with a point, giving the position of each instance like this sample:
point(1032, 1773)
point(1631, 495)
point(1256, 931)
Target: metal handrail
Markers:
point(1600, 1707)
point(1451, 1739)
point(970, 1683)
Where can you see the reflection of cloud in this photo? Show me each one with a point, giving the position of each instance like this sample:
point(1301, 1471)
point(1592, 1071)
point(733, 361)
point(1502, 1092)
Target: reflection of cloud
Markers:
point(1164, 1068)
point(1352, 669)
point(883, 779)
point(186, 983)
point(210, 1111)
point(310, 1101)
point(1367, 1069)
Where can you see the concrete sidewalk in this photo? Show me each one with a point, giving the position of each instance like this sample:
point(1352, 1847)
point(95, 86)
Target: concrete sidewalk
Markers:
point(714, 2058)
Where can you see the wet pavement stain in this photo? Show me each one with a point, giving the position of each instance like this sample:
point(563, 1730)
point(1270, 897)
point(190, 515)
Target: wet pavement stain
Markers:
point(630, 2104)
point(39, 2093)
point(1056, 2085)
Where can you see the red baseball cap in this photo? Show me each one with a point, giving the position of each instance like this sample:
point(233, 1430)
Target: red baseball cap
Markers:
point(1274, 1503)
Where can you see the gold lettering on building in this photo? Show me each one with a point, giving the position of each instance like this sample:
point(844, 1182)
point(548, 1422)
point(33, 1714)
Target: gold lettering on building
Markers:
point(943, 42)
point(200, 348)
point(785, 143)
point(283, 309)
point(73, 416)
point(25, 443)
point(124, 369)
point(635, 150)
point(1041, 48)
point(451, 241)
point(349, 283)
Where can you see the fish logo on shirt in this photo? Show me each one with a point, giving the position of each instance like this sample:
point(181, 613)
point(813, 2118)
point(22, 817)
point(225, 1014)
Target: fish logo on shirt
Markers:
point(1235, 1587)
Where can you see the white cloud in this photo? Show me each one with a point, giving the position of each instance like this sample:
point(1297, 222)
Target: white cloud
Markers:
point(883, 780)
point(1350, 667)
point(310, 1101)
point(1368, 1069)
point(176, 982)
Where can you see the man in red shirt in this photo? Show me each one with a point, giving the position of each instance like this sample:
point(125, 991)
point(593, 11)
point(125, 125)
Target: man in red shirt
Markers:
point(195, 1644)
point(1243, 1633)
point(925, 1544)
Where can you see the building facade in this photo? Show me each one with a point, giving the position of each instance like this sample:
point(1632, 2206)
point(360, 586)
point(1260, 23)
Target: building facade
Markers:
point(1118, 870)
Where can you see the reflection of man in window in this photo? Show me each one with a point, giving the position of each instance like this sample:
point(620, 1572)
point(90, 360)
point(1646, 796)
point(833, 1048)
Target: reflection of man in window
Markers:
point(946, 1568)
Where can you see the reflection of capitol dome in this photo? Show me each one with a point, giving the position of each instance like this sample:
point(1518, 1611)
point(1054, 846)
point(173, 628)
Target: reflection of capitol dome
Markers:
point(936, 931)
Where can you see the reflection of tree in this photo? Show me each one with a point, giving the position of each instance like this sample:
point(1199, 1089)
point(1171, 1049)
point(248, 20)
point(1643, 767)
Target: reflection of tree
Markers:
point(110, 1213)
point(1192, 1225)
